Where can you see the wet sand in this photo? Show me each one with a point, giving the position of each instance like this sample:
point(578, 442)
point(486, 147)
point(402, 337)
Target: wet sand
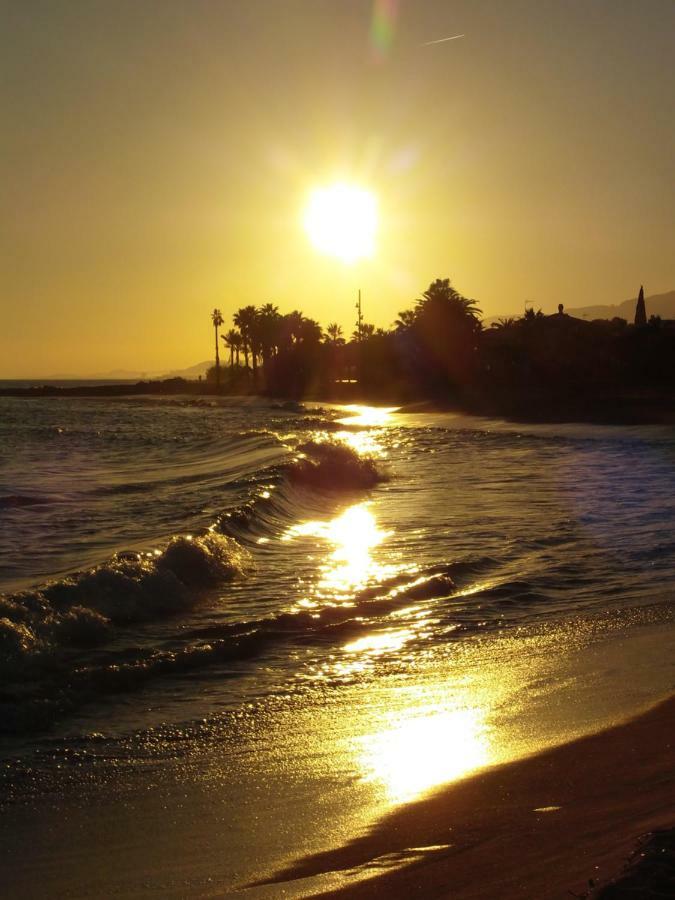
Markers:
point(542, 827)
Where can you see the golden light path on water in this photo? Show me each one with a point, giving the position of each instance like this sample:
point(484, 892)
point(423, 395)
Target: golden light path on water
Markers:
point(350, 567)
point(368, 416)
point(429, 734)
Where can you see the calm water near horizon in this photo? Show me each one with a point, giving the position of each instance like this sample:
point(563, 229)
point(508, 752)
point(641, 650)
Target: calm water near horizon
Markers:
point(311, 615)
point(24, 383)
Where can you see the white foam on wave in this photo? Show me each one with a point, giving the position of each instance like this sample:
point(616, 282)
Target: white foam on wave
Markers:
point(131, 587)
point(334, 465)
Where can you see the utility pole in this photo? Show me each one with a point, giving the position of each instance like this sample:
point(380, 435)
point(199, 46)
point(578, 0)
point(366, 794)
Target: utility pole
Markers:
point(359, 321)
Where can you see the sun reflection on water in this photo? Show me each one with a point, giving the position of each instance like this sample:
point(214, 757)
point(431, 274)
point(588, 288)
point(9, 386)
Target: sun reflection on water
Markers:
point(368, 416)
point(424, 746)
point(383, 642)
point(362, 442)
point(351, 566)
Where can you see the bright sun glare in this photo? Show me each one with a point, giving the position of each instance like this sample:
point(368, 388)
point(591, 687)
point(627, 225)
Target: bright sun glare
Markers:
point(341, 221)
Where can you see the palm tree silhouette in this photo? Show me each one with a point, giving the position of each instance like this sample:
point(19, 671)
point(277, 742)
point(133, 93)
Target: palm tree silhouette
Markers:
point(244, 319)
point(310, 332)
point(406, 320)
point(295, 320)
point(217, 319)
point(362, 332)
point(441, 296)
point(447, 330)
point(269, 322)
point(231, 341)
point(334, 333)
point(237, 347)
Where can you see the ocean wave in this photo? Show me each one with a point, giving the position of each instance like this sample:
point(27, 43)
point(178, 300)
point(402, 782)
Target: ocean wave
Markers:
point(81, 610)
point(66, 684)
point(318, 470)
point(45, 632)
point(11, 501)
point(332, 465)
point(199, 648)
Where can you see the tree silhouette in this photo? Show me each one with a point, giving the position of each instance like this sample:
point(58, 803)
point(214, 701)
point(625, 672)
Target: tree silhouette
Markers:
point(244, 319)
point(232, 341)
point(334, 334)
point(363, 331)
point(405, 321)
point(502, 323)
point(446, 328)
point(438, 349)
point(217, 319)
point(269, 328)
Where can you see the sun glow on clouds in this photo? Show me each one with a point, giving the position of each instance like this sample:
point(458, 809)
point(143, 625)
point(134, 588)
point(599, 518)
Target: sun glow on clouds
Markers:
point(341, 221)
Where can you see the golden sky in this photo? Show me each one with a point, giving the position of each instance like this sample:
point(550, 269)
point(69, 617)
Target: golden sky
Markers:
point(157, 154)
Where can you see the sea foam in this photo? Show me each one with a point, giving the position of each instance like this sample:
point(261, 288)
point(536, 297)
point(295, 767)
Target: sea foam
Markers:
point(333, 465)
point(131, 587)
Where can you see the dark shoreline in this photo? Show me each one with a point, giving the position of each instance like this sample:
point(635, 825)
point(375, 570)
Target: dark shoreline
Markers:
point(638, 407)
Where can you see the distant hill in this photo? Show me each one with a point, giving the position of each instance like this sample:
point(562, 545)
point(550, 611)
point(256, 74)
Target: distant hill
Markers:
point(191, 372)
point(657, 305)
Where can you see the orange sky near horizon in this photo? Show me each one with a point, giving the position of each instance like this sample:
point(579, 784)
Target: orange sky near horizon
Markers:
point(159, 154)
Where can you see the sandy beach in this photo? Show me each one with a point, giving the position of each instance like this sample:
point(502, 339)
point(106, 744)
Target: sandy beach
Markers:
point(549, 826)
point(355, 690)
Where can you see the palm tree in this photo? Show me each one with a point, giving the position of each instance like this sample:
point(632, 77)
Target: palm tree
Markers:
point(363, 332)
point(502, 323)
point(406, 320)
point(291, 326)
point(237, 346)
point(217, 319)
point(310, 332)
point(270, 325)
point(334, 334)
point(442, 295)
point(447, 329)
point(244, 319)
point(231, 340)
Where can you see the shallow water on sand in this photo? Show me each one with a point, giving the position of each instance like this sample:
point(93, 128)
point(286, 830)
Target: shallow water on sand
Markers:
point(297, 618)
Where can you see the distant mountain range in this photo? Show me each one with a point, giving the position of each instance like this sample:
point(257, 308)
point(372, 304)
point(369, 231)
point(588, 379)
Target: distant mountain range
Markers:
point(657, 305)
point(134, 374)
point(191, 372)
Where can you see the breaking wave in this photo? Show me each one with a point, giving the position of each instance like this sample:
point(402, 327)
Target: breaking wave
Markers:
point(44, 631)
point(198, 648)
point(333, 465)
point(131, 587)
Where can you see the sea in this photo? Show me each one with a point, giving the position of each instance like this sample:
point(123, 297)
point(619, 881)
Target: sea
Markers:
point(234, 632)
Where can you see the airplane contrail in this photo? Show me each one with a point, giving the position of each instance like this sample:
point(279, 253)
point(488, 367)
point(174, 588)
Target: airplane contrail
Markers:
point(454, 37)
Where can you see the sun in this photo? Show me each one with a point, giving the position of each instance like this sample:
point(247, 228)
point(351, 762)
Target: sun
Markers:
point(341, 221)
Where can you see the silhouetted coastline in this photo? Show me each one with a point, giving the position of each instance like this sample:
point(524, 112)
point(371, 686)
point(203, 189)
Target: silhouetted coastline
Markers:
point(643, 407)
point(536, 368)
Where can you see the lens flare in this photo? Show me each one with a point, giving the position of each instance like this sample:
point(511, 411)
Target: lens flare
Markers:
point(382, 27)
